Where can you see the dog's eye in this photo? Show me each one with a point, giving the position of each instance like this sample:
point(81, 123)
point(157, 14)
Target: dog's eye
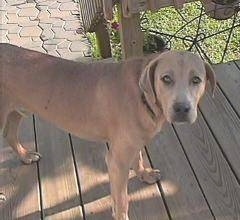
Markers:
point(196, 80)
point(167, 79)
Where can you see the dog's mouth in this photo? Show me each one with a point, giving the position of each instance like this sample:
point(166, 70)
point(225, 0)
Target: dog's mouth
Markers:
point(181, 118)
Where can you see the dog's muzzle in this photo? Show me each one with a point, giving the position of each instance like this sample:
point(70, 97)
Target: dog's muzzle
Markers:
point(181, 112)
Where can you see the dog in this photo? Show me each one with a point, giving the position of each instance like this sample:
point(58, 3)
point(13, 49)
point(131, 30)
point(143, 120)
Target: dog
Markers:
point(124, 103)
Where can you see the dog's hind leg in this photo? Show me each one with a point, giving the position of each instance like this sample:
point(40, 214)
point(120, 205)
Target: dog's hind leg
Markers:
point(4, 110)
point(147, 175)
point(10, 132)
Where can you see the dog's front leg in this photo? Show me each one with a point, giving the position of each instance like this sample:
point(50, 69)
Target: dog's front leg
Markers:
point(119, 159)
point(147, 175)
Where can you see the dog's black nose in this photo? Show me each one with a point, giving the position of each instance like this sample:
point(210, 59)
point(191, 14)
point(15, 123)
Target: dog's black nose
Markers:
point(181, 107)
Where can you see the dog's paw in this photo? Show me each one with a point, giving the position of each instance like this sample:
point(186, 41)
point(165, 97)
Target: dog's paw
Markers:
point(123, 216)
point(2, 198)
point(149, 175)
point(31, 157)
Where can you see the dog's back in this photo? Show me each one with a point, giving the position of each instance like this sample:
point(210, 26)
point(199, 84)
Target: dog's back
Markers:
point(63, 91)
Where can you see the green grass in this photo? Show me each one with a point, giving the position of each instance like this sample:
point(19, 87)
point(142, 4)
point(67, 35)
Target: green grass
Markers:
point(168, 20)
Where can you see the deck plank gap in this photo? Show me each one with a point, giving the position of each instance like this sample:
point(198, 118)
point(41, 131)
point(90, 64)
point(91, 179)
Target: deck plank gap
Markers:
point(77, 177)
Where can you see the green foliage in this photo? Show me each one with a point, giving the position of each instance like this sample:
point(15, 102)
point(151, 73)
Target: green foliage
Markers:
point(115, 42)
point(93, 41)
point(170, 21)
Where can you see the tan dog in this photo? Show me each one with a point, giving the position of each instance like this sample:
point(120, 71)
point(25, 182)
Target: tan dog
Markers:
point(124, 104)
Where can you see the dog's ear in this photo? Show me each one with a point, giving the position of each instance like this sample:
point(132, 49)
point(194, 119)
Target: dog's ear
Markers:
point(211, 76)
point(146, 84)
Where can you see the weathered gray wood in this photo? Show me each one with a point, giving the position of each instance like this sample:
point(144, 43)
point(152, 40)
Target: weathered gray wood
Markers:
point(93, 178)
point(145, 200)
point(108, 9)
point(216, 178)
point(19, 182)
point(91, 12)
point(93, 21)
point(237, 62)
point(182, 193)
point(228, 76)
point(131, 35)
point(60, 192)
point(225, 125)
point(103, 39)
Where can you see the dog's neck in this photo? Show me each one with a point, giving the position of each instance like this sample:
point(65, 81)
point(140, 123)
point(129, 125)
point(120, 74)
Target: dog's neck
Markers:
point(148, 107)
point(157, 120)
point(150, 110)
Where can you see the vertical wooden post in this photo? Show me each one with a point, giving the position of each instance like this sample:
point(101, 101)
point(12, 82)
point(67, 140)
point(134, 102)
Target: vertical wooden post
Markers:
point(103, 39)
point(130, 34)
point(108, 9)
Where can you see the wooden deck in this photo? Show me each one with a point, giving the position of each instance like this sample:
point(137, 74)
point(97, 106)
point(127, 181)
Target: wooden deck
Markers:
point(200, 165)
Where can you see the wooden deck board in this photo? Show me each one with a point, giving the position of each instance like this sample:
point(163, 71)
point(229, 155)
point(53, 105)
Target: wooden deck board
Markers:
point(228, 77)
point(237, 62)
point(183, 195)
point(59, 187)
point(225, 126)
point(93, 178)
point(214, 174)
point(145, 200)
point(19, 182)
point(200, 174)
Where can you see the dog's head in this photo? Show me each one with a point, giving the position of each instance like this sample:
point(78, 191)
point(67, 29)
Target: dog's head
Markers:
point(176, 81)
